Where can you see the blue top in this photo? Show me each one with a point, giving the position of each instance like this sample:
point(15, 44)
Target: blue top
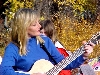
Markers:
point(12, 60)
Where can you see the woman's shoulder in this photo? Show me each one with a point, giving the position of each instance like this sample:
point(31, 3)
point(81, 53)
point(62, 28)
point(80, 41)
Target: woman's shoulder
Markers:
point(11, 46)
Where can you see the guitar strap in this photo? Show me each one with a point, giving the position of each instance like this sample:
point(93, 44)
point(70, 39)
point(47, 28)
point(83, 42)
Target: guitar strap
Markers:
point(45, 49)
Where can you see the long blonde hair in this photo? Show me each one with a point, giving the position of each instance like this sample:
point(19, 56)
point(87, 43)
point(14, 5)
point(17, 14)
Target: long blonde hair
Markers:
point(21, 21)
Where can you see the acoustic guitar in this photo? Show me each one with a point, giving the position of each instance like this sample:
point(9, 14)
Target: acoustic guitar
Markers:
point(45, 66)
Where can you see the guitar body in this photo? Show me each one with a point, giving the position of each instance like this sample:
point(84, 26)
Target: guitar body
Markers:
point(45, 66)
point(41, 66)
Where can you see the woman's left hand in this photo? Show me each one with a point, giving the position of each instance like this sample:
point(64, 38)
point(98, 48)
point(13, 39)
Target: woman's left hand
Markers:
point(88, 48)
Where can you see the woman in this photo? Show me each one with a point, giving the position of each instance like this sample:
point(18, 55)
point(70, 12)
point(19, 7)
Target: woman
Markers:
point(48, 29)
point(24, 50)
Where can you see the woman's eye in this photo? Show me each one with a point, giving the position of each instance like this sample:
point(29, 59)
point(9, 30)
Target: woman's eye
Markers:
point(33, 25)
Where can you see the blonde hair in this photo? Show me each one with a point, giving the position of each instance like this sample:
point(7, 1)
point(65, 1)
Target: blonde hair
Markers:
point(21, 21)
point(41, 41)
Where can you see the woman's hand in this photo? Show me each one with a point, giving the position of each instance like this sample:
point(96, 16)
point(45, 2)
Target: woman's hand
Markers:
point(88, 49)
point(38, 74)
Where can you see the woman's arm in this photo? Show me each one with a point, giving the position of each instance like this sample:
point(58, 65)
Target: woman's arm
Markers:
point(9, 59)
point(58, 56)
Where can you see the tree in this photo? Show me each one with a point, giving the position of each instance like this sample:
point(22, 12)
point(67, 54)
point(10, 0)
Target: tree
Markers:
point(64, 14)
point(14, 5)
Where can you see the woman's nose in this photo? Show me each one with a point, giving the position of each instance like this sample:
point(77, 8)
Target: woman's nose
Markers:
point(39, 26)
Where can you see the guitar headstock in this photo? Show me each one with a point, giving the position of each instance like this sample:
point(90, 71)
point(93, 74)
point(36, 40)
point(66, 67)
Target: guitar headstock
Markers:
point(95, 38)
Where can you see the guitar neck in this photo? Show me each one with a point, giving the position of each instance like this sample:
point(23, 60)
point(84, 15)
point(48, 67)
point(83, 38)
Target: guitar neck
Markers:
point(61, 65)
point(65, 62)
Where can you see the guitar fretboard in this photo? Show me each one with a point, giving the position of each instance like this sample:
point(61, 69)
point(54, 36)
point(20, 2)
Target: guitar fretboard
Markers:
point(61, 65)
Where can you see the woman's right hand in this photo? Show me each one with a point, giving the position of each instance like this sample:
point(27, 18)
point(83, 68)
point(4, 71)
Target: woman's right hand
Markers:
point(38, 74)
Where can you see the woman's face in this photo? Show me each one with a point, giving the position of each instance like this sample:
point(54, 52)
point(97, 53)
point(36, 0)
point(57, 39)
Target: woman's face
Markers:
point(34, 29)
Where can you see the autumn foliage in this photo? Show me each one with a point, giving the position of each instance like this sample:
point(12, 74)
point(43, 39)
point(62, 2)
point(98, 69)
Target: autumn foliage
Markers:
point(72, 18)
